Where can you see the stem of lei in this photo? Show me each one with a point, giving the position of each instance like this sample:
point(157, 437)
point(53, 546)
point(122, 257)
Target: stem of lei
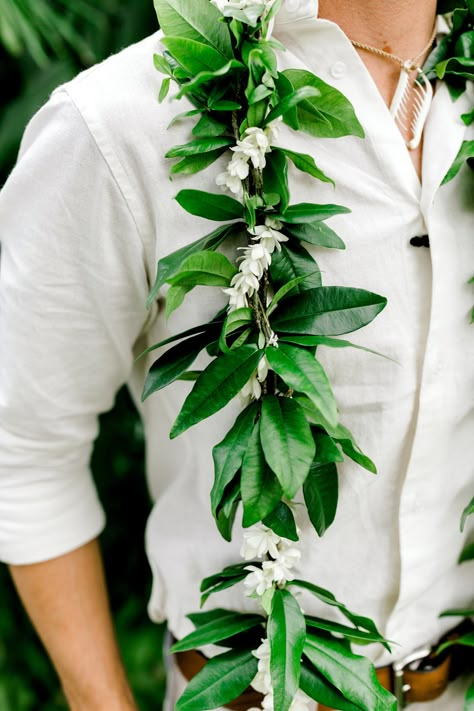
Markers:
point(288, 437)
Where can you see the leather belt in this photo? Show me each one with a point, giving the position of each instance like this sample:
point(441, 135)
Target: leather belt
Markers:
point(420, 676)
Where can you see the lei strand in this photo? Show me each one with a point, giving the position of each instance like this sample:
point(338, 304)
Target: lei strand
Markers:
point(288, 436)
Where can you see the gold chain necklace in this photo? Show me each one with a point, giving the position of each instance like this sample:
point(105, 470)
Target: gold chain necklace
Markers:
point(421, 88)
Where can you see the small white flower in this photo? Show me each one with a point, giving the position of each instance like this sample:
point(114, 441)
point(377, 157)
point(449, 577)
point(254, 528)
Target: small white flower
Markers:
point(268, 237)
point(259, 541)
point(252, 389)
point(281, 569)
point(301, 702)
point(267, 702)
point(262, 372)
point(231, 182)
point(273, 340)
point(258, 580)
point(262, 682)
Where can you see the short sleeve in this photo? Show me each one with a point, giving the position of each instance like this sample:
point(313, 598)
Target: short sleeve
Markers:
point(73, 290)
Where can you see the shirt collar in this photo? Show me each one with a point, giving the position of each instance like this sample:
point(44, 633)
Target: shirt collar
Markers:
point(296, 10)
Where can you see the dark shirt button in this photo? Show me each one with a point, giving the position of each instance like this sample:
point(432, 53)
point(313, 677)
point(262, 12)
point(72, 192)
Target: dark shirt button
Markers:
point(423, 241)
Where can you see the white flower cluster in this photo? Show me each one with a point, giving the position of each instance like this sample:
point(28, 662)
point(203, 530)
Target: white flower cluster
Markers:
point(255, 260)
point(260, 542)
point(249, 11)
point(253, 148)
point(263, 683)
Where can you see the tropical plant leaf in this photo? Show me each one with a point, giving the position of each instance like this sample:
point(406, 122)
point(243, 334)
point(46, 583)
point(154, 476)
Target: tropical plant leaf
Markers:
point(308, 213)
point(174, 298)
point(204, 77)
point(173, 363)
point(302, 372)
point(208, 126)
point(351, 633)
point(306, 164)
point(286, 630)
point(290, 101)
point(327, 311)
point(282, 522)
point(222, 680)
point(228, 577)
point(331, 342)
point(199, 146)
point(259, 486)
point(194, 56)
point(229, 453)
point(466, 640)
point(169, 265)
point(210, 205)
point(329, 115)
point(221, 381)
point(466, 153)
point(321, 690)
point(222, 627)
point(321, 495)
point(292, 262)
point(287, 288)
point(467, 512)
point(204, 268)
point(467, 553)
point(275, 177)
point(287, 442)
point(198, 21)
point(227, 509)
point(327, 450)
point(353, 675)
point(194, 164)
point(317, 233)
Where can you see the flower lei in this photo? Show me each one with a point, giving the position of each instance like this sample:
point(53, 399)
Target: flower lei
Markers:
point(263, 346)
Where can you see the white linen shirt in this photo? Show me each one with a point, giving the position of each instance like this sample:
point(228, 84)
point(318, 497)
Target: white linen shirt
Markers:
point(85, 216)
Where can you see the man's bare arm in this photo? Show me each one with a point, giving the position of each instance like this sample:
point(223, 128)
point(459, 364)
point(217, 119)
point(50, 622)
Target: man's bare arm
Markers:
point(67, 601)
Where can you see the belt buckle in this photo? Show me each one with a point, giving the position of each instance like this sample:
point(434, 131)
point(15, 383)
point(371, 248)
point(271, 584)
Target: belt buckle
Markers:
point(399, 667)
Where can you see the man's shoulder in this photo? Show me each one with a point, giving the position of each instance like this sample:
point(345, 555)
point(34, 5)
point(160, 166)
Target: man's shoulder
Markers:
point(119, 94)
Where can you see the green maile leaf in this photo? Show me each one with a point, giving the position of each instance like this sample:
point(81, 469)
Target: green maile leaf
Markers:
point(282, 522)
point(330, 115)
point(306, 164)
point(194, 164)
point(467, 553)
point(466, 152)
point(286, 630)
point(203, 328)
point(353, 452)
point(220, 382)
point(328, 311)
point(183, 115)
point(237, 319)
point(200, 146)
point(229, 453)
point(194, 56)
point(174, 298)
point(328, 598)
point(317, 233)
point(468, 118)
point(260, 93)
point(222, 680)
point(321, 493)
point(321, 690)
point(224, 105)
point(260, 488)
point(302, 372)
point(210, 205)
point(467, 612)
point(227, 578)
point(227, 509)
point(162, 65)
point(466, 640)
point(216, 630)
point(354, 635)
point(209, 126)
point(251, 203)
point(204, 268)
point(456, 66)
point(331, 343)
point(198, 21)
point(169, 265)
point(327, 450)
point(291, 262)
point(467, 512)
point(242, 339)
point(204, 77)
point(172, 364)
point(287, 288)
point(290, 101)
point(164, 90)
point(266, 600)
point(353, 675)
point(189, 375)
point(469, 699)
point(275, 177)
point(308, 213)
point(249, 17)
point(285, 88)
point(286, 441)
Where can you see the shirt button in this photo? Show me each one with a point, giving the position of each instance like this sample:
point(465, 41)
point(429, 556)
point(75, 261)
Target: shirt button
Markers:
point(338, 70)
point(292, 5)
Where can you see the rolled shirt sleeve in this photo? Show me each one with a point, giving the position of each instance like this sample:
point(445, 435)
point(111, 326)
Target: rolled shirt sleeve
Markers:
point(73, 288)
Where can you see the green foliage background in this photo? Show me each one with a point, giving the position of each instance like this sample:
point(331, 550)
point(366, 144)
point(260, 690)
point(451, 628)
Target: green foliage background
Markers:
point(44, 43)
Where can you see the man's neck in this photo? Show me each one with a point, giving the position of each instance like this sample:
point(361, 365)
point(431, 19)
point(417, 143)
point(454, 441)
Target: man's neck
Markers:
point(401, 27)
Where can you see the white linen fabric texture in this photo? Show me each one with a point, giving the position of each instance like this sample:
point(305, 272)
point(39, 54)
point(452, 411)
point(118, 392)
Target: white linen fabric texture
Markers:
point(86, 215)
